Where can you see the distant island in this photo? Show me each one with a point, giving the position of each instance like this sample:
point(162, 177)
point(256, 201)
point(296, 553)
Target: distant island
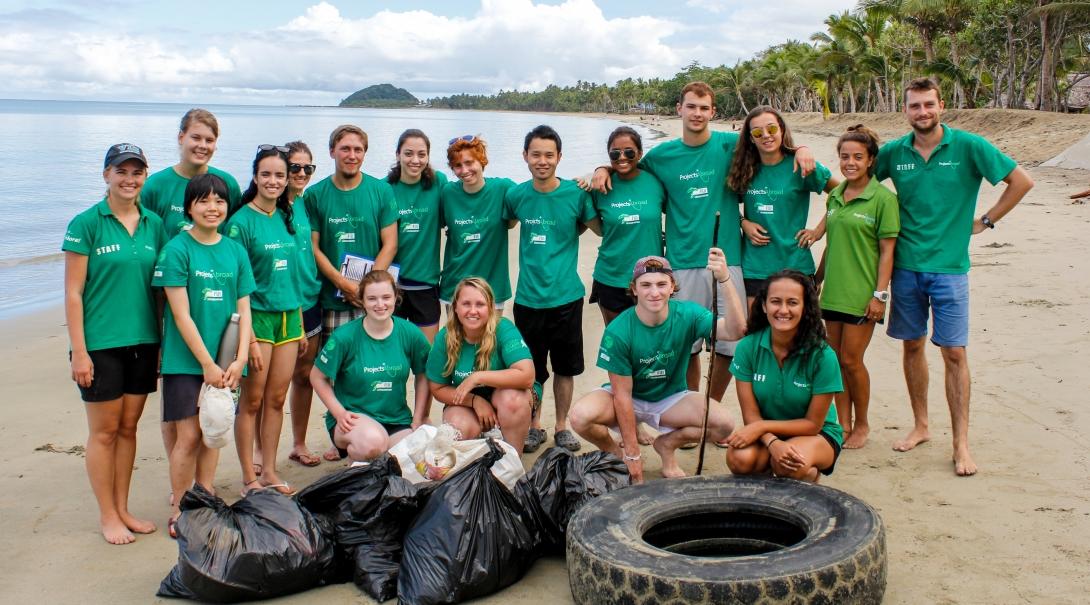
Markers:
point(380, 95)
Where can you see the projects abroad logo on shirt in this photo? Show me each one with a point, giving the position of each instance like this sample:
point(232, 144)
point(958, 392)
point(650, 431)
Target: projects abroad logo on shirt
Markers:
point(221, 277)
point(381, 386)
point(280, 264)
point(348, 219)
point(768, 192)
point(68, 237)
point(388, 369)
point(210, 295)
point(345, 237)
point(698, 181)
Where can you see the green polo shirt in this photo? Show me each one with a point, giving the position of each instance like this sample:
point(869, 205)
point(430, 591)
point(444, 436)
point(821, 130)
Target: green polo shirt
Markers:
point(852, 230)
point(476, 237)
point(548, 242)
point(118, 306)
point(510, 348)
point(938, 197)
point(306, 269)
point(348, 222)
point(695, 182)
point(785, 393)
point(369, 374)
point(656, 357)
point(164, 194)
point(418, 229)
point(215, 276)
point(631, 216)
point(778, 199)
point(273, 255)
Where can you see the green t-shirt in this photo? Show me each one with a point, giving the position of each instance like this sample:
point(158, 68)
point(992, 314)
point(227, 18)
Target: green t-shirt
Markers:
point(306, 269)
point(785, 393)
point(510, 348)
point(273, 255)
point(548, 242)
point(695, 182)
point(476, 237)
point(118, 305)
point(164, 194)
point(656, 357)
point(938, 197)
point(778, 199)
point(418, 230)
point(369, 375)
point(215, 276)
point(851, 250)
point(348, 222)
point(631, 216)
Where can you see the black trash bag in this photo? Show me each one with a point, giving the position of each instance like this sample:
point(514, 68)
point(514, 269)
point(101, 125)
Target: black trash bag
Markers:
point(470, 539)
point(558, 484)
point(262, 546)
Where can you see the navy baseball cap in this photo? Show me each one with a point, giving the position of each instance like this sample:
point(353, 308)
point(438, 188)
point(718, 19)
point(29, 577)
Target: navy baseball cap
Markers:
point(123, 152)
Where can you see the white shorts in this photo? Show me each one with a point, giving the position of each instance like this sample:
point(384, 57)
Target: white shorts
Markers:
point(650, 412)
point(696, 285)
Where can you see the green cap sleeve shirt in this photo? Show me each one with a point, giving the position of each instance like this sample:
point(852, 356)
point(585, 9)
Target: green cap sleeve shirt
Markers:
point(306, 269)
point(418, 230)
point(938, 197)
point(118, 305)
point(778, 199)
point(548, 242)
point(656, 357)
point(369, 375)
point(510, 349)
point(215, 276)
point(164, 194)
point(785, 393)
point(476, 237)
point(348, 222)
point(631, 215)
point(273, 255)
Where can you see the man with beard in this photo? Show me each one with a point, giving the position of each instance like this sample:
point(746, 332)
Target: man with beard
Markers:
point(937, 171)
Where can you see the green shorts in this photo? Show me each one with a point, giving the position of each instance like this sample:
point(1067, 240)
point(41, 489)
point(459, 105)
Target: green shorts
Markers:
point(277, 327)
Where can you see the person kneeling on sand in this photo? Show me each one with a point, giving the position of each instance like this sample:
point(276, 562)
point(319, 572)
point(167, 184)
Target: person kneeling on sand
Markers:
point(644, 350)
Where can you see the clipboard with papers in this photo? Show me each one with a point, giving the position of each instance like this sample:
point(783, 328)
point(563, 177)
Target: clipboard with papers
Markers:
point(355, 267)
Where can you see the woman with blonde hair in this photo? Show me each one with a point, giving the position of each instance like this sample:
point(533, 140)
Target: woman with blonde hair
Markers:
point(480, 368)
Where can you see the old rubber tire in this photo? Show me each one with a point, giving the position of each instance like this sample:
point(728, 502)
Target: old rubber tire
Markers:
point(823, 545)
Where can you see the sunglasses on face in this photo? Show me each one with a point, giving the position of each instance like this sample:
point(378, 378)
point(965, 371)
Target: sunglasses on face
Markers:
point(267, 147)
point(615, 154)
point(759, 132)
point(465, 137)
point(307, 169)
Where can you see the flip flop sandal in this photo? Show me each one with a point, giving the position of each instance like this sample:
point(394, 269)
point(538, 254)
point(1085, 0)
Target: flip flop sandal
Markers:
point(246, 489)
point(305, 459)
point(690, 446)
point(567, 440)
point(282, 488)
point(534, 439)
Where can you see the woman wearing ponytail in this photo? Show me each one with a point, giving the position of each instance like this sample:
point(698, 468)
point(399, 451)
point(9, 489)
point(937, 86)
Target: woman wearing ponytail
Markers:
point(264, 225)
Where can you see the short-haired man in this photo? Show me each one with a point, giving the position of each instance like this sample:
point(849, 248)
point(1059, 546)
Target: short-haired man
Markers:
point(645, 351)
point(350, 213)
point(693, 170)
point(549, 297)
point(937, 171)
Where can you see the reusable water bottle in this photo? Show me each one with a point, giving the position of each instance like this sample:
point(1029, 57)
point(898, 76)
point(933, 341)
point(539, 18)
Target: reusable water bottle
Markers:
point(228, 343)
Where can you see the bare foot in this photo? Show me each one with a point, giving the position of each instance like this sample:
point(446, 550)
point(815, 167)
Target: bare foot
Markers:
point(139, 526)
point(963, 462)
point(115, 532)
point(858, 438)
point(332, 454)
point(642, 436)
point(812, 475)
point(914, 438)
point(670, 469)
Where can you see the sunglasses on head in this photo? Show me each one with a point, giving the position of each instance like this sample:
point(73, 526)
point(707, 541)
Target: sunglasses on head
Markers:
point(307, 169)
point(267, 147)
point(465, 137)
point(615, 154)
point(759, 132)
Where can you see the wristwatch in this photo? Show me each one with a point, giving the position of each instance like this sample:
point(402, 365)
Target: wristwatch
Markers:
point(882, 295)
point(987, 222)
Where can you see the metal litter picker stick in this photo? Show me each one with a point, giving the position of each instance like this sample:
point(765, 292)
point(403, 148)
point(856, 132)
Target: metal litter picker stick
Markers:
point(711, 362)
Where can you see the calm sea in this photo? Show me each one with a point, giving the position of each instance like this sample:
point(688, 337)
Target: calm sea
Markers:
point(54, 154)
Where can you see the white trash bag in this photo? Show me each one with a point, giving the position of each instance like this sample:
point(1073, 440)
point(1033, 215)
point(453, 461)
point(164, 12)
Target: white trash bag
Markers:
point(217, 415)
point(432, 454)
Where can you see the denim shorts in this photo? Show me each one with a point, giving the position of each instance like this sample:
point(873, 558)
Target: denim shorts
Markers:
point(944, 296)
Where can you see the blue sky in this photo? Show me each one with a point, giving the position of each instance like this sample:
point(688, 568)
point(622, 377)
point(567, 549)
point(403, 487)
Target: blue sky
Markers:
point(319, 51)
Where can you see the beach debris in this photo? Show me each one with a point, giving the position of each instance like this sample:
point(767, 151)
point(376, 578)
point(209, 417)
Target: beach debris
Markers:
point(75, 450)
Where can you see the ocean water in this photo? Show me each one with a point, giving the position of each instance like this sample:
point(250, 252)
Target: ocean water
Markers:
point(54, 151)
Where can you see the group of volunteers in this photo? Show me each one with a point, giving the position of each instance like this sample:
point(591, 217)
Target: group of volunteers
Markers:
point(155, 272)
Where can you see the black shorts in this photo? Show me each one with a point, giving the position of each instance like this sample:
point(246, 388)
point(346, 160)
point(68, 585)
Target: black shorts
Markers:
point(555, 333)
point(610, 298)
point(389, 428)
point(180, 395)
point(312, 321)
point(131, 370)
point(419, 306)
point(836, 453)
point(854, 320)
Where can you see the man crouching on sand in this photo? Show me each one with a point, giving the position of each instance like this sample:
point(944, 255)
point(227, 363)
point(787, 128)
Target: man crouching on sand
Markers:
point(645, 351)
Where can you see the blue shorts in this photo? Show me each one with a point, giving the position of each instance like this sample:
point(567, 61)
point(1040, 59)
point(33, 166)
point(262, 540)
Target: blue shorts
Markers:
point(945, 295)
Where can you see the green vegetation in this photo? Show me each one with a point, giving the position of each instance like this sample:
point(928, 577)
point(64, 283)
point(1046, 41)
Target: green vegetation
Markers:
point(380, 95)
point(985, 53)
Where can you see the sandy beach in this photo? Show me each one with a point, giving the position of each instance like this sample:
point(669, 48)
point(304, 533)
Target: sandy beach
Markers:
point(1015, 533)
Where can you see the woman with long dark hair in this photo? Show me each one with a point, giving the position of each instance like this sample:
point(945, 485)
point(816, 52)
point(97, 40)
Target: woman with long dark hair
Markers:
point(786, 374)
